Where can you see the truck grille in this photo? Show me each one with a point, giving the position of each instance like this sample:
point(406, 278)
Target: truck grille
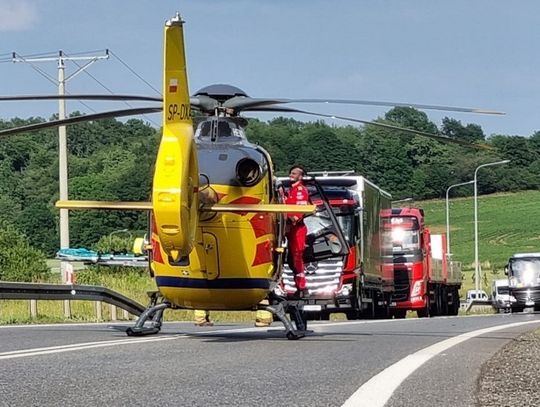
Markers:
point(401, 285)
point(522, 295)
point(322, 277)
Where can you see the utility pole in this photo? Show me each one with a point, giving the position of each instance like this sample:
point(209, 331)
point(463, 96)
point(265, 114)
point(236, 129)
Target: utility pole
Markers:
point(62, 136)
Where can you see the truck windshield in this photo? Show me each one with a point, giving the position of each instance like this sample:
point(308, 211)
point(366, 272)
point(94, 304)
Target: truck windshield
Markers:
point(319, 224)
point(346, 222)
point(526, 271)
point(403, 232)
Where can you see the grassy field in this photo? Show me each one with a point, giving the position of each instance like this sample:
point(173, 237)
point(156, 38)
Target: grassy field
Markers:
point(508, 223)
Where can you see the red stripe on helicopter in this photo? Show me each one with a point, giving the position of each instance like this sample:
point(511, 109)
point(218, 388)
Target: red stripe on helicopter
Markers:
point(246, 200)
point(262, 224)
point(263, 254)
point(173, 85)
point(156, 247)
point(153, 226)
point(156, 251)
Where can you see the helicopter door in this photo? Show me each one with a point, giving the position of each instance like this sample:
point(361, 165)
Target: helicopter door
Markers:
point(211, 256)
point(325, 238)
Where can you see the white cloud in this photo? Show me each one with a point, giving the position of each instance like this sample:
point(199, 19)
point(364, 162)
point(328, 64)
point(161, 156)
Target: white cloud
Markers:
point(17, 15)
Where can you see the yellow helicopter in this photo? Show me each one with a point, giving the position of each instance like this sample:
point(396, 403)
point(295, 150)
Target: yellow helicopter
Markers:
point(216, 239)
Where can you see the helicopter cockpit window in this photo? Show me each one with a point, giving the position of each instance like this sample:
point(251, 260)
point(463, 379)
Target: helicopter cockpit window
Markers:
point(224, 129)
point(219, 130)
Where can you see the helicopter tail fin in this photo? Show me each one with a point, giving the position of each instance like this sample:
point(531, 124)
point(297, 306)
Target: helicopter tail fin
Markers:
point(176, 178)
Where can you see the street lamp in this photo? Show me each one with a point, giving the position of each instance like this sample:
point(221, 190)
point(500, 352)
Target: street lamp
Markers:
point(476, 265)
point(448, 252)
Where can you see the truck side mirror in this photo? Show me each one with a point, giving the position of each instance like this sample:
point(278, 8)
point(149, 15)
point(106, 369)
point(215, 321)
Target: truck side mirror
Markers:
point(506, 269)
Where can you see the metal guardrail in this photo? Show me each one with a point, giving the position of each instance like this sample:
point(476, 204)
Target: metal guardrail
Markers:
point(35, 291)
point(478, 303)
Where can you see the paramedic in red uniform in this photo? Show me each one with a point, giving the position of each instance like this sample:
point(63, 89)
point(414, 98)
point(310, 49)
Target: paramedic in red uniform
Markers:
point(298, 195)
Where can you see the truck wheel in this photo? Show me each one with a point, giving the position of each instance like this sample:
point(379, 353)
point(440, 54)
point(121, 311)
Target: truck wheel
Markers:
point(444, 301)
point(437, 308)
point(352, 314)
point(455, 302)
point(424, 312)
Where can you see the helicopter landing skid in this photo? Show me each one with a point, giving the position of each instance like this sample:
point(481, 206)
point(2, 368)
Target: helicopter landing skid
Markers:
point(153, 315)
point(280, 310)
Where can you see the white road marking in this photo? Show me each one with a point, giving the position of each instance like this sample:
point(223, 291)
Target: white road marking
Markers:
point(117, 342)
point(128, 341)
point(80, 346)
point(378, 390)
point(65, 325)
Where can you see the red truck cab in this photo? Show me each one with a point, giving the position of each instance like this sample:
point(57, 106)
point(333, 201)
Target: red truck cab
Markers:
point(425, 281)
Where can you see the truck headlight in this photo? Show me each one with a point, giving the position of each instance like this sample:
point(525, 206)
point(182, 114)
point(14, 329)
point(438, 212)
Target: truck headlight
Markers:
point(345, 290)
point(417, 287)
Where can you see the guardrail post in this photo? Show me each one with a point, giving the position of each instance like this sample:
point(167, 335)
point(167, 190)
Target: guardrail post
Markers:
point(113, 313)
point(67, 309)
point(33, 308)
point(68, 277)
point(99, 313)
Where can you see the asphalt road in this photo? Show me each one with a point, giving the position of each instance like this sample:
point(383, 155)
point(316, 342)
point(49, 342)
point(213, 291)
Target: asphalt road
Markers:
point(234, 365)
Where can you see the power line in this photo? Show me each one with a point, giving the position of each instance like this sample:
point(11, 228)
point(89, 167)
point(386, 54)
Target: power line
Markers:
point(46, 75)
point(135, 73)
point(110, 90)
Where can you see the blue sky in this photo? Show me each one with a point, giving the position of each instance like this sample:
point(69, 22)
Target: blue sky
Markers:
point(459, 53)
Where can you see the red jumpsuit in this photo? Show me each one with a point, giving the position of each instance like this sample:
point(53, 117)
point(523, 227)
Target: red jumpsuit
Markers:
point(298, 195)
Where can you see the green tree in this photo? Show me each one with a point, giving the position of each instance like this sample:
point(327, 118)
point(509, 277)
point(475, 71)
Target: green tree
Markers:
point(18, 260)
point(454, 129)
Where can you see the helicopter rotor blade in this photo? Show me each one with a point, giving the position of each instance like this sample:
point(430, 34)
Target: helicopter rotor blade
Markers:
point(240, 103)
point(81, 97)
point(433, 136)
point(80, 119)
point(204, 103)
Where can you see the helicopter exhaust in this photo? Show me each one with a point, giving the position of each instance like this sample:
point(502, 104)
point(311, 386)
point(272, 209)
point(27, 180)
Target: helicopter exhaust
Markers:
point(248, 172)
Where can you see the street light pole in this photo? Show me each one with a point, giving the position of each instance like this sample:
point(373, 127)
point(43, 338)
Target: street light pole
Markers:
point(448, 252)
point(476, 262)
